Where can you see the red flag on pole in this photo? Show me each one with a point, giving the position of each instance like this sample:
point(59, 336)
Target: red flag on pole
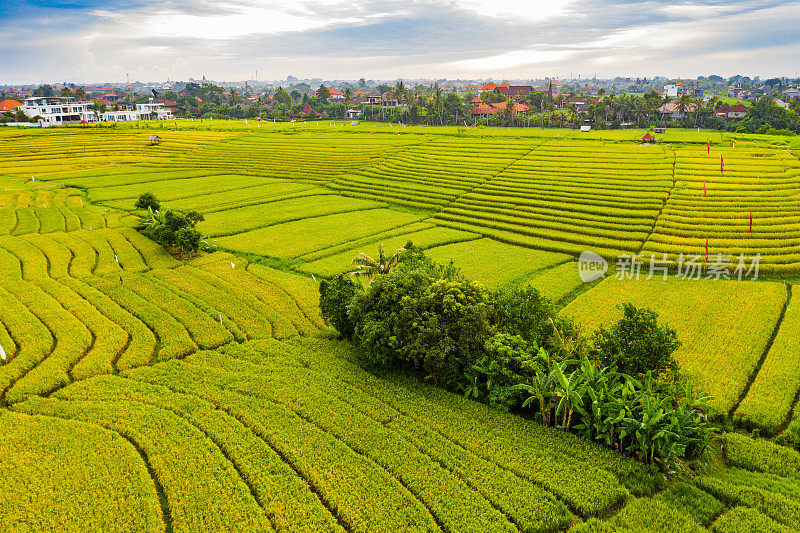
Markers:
point(709, 146)
point(705, 195)
point(706, 247)
point(721, 164)
point(751, 222)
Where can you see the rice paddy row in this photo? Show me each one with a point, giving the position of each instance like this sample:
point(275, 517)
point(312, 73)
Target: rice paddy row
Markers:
point(128, 355)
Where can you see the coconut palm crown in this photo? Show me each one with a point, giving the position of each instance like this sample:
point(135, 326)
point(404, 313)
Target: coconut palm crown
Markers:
point(369, 267)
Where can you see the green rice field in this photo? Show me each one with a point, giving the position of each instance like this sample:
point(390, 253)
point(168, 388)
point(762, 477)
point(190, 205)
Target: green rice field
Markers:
point(139, 392)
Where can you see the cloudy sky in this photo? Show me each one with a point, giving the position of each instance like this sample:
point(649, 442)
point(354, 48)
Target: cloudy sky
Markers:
point(102, 40)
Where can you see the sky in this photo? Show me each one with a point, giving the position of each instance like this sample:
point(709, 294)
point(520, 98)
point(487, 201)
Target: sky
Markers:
point(231, 40)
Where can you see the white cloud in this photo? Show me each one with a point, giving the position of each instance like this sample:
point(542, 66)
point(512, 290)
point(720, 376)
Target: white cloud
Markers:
point(515, 58)
point(529, 10)
point(231, 21)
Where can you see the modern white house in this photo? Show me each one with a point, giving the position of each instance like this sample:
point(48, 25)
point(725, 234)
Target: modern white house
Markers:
point(670, 90)
point(153, 110)
point(149, 111)
point(55, 110)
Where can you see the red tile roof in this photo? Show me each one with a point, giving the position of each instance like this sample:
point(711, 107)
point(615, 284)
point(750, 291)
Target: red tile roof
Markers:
point(493, 109)
point(513, 90)
point(739, 108)
point(489, 87)
point(9, 105)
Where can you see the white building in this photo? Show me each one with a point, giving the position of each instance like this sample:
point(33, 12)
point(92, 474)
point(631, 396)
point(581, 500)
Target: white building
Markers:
point(55, 110)
point(670, 90)
point(122, 115)
point(153, 110)
point(149, 111)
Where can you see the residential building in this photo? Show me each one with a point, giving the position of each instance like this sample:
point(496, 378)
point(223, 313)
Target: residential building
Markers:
point(581, 103)
point(480, 109)
point(9, 105)
point(737, 91)
point(672, 109)
point(335, 95)
point(735, 112)
point(738, 111)
point(513, 91)
point(670, 91)
point(55, 110)
point(120, 115)
point(791, 93)
point(152, 110)
point(723, 110)
point(171, 106)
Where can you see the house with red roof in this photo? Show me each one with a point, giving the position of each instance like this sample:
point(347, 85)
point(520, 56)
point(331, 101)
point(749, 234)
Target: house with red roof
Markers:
point(494, 109)
point(513, 91)
point(673, 109)
point(723, 110)
point(171, 106)
point(9, 105)
point(791, 93)
point(738, 111)
point(489, 87)
point(335, 96)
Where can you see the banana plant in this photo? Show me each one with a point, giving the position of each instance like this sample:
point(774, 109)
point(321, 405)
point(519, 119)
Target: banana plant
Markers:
point(569, 391)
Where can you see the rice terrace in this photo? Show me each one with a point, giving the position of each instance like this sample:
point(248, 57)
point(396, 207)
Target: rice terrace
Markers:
point(151, 388)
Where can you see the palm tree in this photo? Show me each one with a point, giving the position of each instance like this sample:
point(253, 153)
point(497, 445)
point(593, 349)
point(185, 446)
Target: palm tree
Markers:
point(65, 92)
point(664, 101)
point(573, 109)
point(234, 97)
point(438, 102)
point(80, 93)
point(367, 266)
point(684, 103)
point(98, 109)
point(348, 96)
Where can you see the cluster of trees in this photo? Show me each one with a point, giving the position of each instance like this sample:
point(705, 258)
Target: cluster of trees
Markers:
point(173, 229)
point(510, 349)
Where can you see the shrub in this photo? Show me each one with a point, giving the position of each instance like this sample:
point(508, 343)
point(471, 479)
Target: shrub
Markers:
point(508, 361)
point(334, 297)
point(427, 319)
point(148, 200)
point(529, 314)
point(637, 344)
